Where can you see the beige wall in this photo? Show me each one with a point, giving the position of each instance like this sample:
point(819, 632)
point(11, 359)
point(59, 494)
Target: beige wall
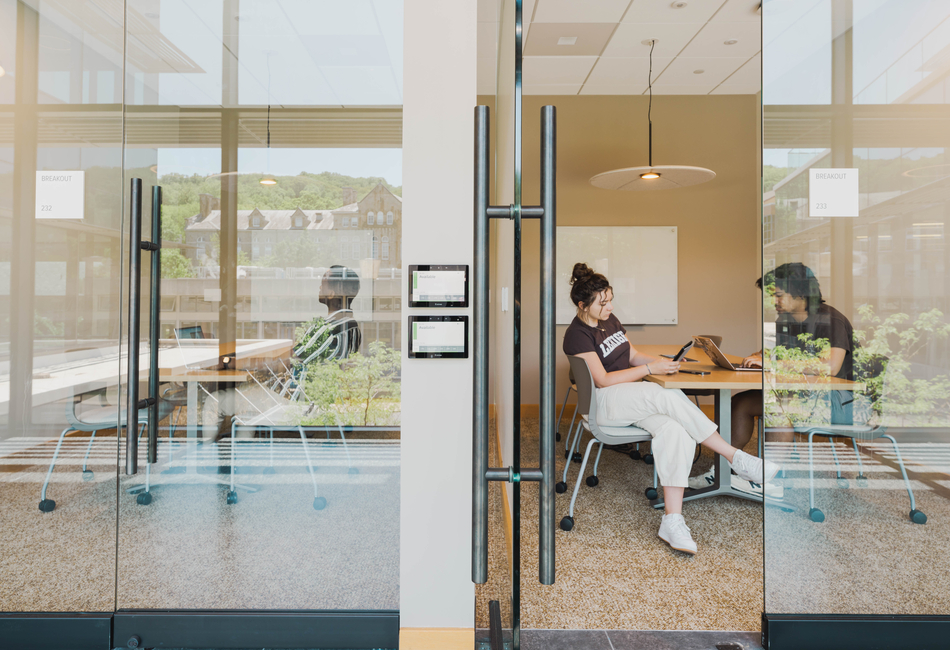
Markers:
point(718, 249)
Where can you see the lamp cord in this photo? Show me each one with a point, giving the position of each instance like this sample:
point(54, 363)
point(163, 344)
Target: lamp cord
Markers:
point(650, 108)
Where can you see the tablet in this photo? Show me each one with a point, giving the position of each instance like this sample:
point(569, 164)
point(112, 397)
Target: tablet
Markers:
point(438, 285)
point(438, 337)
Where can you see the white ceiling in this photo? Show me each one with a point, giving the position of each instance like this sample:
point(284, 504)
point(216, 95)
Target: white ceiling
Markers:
point(609, 57)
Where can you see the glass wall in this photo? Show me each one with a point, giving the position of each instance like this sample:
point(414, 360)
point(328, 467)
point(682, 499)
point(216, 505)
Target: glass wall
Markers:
point(855, 208)
point(274, 130)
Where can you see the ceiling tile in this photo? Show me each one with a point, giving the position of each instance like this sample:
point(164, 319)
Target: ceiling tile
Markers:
point(487, 39)
point(556, 69)
point(591, 39)
point(486, 71)
point(551, 89)
point(747, 79)
point(574, 11)
point(739, 11)
point(662, 11)
point(671, 38)
point(710, 41)
point(681, 72)
point(627, 76)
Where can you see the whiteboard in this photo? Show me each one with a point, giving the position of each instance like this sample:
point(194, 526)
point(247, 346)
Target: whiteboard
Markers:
point(639, 262)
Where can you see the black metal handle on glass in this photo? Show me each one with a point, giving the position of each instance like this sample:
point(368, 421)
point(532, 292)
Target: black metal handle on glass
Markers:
point(481, 473)
point(136, 246)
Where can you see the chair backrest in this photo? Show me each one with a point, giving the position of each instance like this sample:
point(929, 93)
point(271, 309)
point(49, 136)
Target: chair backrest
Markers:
point(193, 332)
point(586, 400)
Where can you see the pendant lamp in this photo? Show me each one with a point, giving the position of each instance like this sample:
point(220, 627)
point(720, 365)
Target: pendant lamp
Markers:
point(652, 177)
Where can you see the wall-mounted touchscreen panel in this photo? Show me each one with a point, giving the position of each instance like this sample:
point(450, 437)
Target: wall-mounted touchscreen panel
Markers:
point(438, 285)
point(438, 337)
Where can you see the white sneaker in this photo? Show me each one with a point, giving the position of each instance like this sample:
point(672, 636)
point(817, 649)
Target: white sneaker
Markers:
point(751, 468)
point(675, 532)
point(773, 490)
point(703, 480)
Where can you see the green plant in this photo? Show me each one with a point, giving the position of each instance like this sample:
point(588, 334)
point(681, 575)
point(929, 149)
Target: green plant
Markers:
point(362, 390)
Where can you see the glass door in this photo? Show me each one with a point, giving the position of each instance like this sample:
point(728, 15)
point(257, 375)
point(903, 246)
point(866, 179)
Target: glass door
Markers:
point(273, 129)
point(61, 202)
point(262, 139)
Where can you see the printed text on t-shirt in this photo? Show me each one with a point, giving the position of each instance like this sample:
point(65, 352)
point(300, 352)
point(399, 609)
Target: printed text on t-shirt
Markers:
point(611, 342)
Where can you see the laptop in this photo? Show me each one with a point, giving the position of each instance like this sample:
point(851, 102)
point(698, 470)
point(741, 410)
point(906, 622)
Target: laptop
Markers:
point(718, 358)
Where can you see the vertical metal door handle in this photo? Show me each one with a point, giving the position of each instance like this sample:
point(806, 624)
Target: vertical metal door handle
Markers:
point(136, 246)
point(154, 325)
point(546, 514)
point(135, 279)
point(480, 354)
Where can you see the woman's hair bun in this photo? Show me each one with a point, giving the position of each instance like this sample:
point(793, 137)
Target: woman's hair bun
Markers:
point(582, 273)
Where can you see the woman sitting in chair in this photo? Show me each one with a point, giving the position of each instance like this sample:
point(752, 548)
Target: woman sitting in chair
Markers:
point(675, 423)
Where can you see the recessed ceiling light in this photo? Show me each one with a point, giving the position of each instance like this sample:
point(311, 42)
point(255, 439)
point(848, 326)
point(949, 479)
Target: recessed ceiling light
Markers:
point(678, 5)
point(698, 71)
point(731, 41)
point(567, 40)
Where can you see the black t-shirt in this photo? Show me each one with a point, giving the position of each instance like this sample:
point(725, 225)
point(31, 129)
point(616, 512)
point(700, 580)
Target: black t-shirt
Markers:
point(607, 339)
point(826, 323)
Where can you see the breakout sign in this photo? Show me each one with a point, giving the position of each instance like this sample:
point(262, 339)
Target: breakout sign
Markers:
point(60, 195)
point(833, 192)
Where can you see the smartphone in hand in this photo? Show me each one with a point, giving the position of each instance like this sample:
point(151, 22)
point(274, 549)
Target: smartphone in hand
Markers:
point(679, 355)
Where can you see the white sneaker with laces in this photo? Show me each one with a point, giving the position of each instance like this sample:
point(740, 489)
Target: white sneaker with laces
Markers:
point(773, 491)
point(751, 468)
point(675, 532)
point(703, 480)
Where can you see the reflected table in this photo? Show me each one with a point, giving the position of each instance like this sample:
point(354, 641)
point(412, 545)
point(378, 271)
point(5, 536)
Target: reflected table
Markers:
point(724, 382)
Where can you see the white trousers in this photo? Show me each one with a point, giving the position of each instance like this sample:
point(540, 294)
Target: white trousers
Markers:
point(675, 423)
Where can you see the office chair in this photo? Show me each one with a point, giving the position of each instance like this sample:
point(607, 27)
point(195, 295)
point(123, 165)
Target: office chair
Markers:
point(571, 386)
point(855, 432)
point(587, 407)
point(105, 416)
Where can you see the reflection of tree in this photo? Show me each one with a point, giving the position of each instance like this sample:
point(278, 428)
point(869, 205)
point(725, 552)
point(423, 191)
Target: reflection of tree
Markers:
point(362, 390)
point(885, 348)
point(176, 265)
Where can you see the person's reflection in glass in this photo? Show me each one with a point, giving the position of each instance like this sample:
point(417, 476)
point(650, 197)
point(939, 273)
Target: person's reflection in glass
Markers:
point(801, 311)
point(338, 289)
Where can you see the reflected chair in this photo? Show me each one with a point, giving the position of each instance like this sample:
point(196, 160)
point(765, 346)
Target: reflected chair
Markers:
point(105, 416)
point(587, 408)
point(280, 415)
point(855, 432)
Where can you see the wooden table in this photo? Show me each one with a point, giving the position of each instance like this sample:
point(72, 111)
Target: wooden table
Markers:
point(725, 382)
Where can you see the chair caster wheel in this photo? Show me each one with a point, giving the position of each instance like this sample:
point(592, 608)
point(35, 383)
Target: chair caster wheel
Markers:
point(648, 459)
point(567, 523)
point(577, 457)
point(862, 480)
point(651, 493)
point(843, 483)
point(560, 487)
point(557, 437)
point(270, 470)
point(816, 515)
point(635, 455)
point(143, 499)
point(232, 497)
point(47, 505)
point(87, 475)
point(592, 481)
point(918, 517)
point(354, 470)
point(567, 454)
point(319, 503)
